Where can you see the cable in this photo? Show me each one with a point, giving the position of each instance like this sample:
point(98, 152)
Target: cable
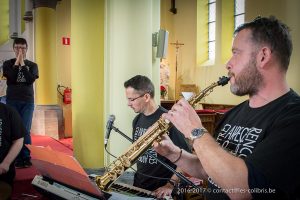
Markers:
point(155, 177)
point(179, 175)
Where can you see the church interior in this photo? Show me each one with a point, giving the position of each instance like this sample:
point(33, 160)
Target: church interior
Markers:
point(85, 51)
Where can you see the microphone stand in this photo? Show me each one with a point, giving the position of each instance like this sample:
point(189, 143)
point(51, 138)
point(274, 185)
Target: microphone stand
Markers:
point(178, 174)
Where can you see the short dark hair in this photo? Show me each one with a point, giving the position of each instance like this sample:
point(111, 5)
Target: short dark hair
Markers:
point(141, 83)
point(274, 33)
point(20, 41)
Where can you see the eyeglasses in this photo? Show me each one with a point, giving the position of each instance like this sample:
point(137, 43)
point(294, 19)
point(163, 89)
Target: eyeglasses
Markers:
point(133, 99)
point(18, 47)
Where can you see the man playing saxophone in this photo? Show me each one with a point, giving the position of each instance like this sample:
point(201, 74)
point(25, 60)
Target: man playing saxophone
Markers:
point(140, 96)
point(255, 152)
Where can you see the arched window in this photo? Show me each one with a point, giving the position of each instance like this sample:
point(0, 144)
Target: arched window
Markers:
point(239, 12)
point(230, 13)
point(211, 29)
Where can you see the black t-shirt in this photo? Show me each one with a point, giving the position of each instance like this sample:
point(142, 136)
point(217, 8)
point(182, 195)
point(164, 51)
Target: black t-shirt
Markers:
point(148, 165)
point(20, 80)
point(11, 128)
point(268, 139)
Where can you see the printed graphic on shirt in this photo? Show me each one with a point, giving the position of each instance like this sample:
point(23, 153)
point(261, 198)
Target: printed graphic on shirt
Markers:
point(138, 133)
point(238, 140)
point(21, 77)
point(149, 159)
point(145, 158)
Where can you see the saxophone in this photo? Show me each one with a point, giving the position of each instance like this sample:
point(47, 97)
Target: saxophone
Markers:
point(153, 133)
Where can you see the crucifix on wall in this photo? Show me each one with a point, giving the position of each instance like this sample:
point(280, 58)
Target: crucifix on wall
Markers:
point(177, 46)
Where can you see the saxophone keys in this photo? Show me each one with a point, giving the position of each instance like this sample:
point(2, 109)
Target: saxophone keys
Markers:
point(112, 176)
point(158, 139)
point(119, 170)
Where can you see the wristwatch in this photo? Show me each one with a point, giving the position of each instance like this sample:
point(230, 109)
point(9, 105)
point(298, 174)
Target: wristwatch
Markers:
point(197, 133)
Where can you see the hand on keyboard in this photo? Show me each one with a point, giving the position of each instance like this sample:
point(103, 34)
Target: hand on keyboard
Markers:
point(164, 191)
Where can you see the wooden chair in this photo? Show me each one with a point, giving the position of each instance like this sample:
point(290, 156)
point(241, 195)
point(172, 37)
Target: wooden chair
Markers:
point(208, 119)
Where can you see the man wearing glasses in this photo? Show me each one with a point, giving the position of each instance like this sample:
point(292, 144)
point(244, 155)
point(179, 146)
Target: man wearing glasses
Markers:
point(21, 74)
point(150, 174)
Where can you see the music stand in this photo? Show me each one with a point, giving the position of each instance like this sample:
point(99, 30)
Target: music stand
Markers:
point(64, 169)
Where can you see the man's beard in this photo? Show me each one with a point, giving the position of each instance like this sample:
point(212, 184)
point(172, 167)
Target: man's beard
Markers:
point(248, 81)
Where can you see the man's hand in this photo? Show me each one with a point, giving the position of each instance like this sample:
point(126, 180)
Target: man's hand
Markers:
point(4, 168)
point(167, 148)
point(17, 63)
point(164, 191)
point(183, 117)
point(12, 154)
point(20, 58)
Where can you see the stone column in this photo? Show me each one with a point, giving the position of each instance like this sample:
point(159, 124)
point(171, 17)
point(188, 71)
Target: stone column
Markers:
point(14, 19)
point(48, 117)
point(45, 49)
point(87, 58)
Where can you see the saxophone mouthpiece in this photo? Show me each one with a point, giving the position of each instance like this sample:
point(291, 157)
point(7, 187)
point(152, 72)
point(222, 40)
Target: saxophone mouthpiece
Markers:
point(223, 80)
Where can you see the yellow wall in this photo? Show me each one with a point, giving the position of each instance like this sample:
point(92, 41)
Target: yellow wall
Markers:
point(45, 57)
point(63, 58)
point(202, 31)
point(208, 73)
point(128, 49)
point(288, 12)
point(182, 27)
point(227, 27)
point(87, 58)
point(4, 21)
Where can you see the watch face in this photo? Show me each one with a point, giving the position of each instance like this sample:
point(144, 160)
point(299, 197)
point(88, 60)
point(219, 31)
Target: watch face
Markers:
point(197, 132)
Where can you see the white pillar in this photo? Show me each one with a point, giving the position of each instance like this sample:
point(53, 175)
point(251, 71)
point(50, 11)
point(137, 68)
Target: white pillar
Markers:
point(129, 51)
point(14, 18)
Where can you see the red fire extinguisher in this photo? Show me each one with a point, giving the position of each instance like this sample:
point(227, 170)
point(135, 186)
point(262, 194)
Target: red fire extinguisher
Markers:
point(67, 94)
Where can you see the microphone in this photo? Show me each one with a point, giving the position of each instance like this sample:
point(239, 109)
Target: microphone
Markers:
point(109, 126)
